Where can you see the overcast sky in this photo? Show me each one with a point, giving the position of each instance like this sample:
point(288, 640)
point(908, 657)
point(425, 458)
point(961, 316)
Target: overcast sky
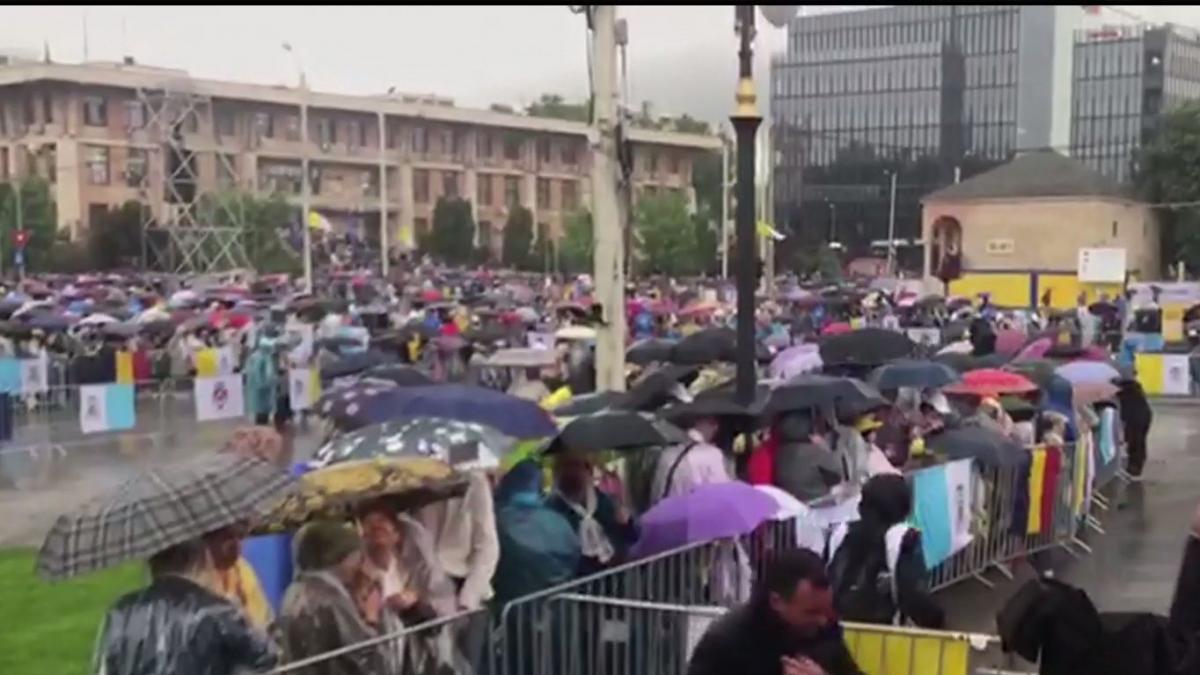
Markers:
point(681, 58)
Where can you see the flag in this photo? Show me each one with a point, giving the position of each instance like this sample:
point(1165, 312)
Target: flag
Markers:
point(1108, 435)
point(943, 506)
point(1161, 374)
point(206, 363)
point(766, 231)
point(219, 398)
point(317, 221)
point(125, 367)
point(304, 388)
point(106, 407)
point(10, 376)
point(1043, 489)
point(35, 377)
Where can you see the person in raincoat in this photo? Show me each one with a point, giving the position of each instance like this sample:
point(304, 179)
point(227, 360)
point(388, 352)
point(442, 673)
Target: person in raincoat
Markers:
point(804, 465)
point(606, 529)
point(538, 547)
point(319, 612)
point(262, 377)
point(177, 625)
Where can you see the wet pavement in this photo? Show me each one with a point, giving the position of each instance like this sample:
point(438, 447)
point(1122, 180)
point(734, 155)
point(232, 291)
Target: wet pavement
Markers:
point(1133, 565)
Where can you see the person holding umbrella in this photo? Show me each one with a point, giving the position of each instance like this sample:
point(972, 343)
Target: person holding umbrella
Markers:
point(697, 462)
point(606, 529)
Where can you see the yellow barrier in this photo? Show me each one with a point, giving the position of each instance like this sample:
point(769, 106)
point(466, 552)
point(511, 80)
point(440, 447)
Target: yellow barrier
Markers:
point(892, 650)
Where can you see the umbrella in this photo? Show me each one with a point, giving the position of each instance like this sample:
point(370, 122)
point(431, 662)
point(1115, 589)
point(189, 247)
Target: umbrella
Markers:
point(1010, 341)
point(487, 334)
point(1089, 394)
point(463, 445)
point(650, 351)
point(400, 374)
point(708, 513)
point(799, 360)
point(354, 363)
point(698, 308)
point(49, 322)
point(719, 401)
point(965, 362)
point(614, 430)
point(121, 330)
point(788, 506)
point(975, 442)
point(866, 347)
point(157, 510)
point(587, 404)
point(1040, 371)
point(819, 391)
point(957, 347)
point(706, 346)
point(657, 387)
point(344, 402)
point(911, 373)
point(521, 357)
point(837, 328)
point(575, 333)
point(510, 415)
point(991, 382)
point(526, 314)
point(1035, 350)
point(336, 491)
point(97, 320)
point(1088, 372)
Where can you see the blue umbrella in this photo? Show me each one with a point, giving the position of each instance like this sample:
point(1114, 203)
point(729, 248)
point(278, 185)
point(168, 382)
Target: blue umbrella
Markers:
point(708, 513)
point(912, 373)
point(509, 415)
point(354, 363)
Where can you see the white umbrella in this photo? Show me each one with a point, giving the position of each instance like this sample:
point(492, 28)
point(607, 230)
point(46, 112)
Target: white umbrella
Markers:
point(789, 506)
point(575, 333)
point(960, 347)
point(182, 298)
point(152, 315)
point(99, 319)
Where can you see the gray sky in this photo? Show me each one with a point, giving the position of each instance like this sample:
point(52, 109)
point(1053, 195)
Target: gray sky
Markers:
point(681, 58)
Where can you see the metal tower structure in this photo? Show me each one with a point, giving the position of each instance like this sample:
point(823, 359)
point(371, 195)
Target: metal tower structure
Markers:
point(188, 227)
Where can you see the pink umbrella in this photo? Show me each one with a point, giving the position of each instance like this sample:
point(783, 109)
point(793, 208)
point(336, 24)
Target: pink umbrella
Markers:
point(991, 382)
point(1009, 342)
point(837, 329)
point(1036, 350)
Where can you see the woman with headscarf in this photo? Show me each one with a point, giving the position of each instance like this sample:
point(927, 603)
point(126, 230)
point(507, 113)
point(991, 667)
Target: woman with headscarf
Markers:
point(876, 564)
point(319, 611)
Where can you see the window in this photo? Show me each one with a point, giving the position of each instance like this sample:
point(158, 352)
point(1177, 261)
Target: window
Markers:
point(543, 193)
point(29, 111)
point(97, 165)
point(47, 109)
point(420, 140)
point(326, 131)
point(484, 189)
point(455, 141)
point(512, 190)
point(135, 167)
point(570, 153)
point(512, 147)
point(652, 162)
point(264, 124)
point(673, 164)
point(95, 111)
point(354, 133)
point(1114, 229)
point(420, 186)
point(570, 195)
point(450, 184)
point(225, 123)
point(291, 128)
point(191, 122)
point(483, 145)
point(543, 150)
point(226, 171)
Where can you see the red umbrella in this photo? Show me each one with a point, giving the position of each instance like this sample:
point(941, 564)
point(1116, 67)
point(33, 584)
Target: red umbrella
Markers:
point(991, 382)
point(837, 329)
point(431, 295)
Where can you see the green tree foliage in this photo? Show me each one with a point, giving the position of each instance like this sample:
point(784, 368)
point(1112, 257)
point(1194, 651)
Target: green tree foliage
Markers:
point(38, 216)
point(578, 243)
point(115, 239)
point(556, 107)
point(267, 222)
point(1169, 171)
point(453, 237)
point(518, 238)
point(543, 250)
point(666, 235)
point(686, 124)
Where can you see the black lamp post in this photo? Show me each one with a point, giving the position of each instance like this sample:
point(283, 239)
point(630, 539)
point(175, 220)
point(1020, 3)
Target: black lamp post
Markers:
point(745, 123)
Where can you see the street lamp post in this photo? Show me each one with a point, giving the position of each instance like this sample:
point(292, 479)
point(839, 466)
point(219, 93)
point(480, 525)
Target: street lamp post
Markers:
point(832, 222)
point(745, 123)
point(305, 228)
point(891, 245)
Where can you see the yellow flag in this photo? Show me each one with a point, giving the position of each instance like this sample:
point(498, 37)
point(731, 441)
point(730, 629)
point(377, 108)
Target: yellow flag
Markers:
point(207, 363)
point(125, 368)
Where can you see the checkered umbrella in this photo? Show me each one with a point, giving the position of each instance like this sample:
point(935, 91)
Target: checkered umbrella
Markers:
point(157, 510)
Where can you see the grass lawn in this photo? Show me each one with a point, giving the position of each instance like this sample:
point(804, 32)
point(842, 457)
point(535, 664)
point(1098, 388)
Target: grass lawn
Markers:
point(50, 629)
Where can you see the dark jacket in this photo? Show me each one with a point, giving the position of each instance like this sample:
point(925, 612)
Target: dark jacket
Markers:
point(861, 548)
point(752, 641)
point(802, 468)
point(177, 626)
point(1136, 414)
point(621, 536)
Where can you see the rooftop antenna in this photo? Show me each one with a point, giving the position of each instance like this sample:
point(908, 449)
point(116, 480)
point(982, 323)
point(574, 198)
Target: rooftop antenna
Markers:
point(85, 36)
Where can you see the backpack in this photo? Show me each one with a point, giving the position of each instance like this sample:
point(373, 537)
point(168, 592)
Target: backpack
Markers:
point(864, 589)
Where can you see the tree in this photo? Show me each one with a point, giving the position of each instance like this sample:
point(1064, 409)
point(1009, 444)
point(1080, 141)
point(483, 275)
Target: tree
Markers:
point(1168, 170)
point(666, 235)
point(114, 240)
point(578, 244)
point(554, 106)
point(686, 124)
point(38, 217)
point(518, 237)
point(453, 236)
point(543, 250)
point(268, 223)
point(502, 108)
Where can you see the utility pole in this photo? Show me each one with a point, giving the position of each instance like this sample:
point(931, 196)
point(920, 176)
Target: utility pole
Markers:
point(609, 268)
point(383, 197)
point(745, 122)
point(724, 206)
point(891, 247)
point(305, 225)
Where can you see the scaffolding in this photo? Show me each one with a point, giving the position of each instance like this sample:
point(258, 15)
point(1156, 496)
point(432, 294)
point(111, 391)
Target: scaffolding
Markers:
point(188, 226)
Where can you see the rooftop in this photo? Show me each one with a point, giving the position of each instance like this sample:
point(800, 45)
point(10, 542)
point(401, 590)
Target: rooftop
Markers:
point(1041, 173)
point(136, 76)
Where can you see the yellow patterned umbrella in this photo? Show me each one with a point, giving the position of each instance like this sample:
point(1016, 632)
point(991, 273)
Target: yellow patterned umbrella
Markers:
point(336, 491)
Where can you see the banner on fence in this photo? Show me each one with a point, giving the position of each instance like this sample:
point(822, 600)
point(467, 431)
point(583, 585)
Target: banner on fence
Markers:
point(106, 407)
point(219, 398)
point(304, 388)
point(214, 361)
point(35, 375)
point(540, 340)
point(1164, 374)
point(943, 505)
point(814, 523)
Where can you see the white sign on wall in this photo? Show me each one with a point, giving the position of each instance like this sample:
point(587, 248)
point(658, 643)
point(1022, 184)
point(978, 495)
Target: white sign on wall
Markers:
point(1101, 265)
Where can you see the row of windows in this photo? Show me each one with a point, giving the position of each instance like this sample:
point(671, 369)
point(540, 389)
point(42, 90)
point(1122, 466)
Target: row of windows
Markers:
point(987, 106)
point(489, 186)
point(98, 166)
point(994, 30)
point(995, 70)
point(1105, 131)
point(825, 149)
point(919, 108)
point(855, 77)
point(1108, 59)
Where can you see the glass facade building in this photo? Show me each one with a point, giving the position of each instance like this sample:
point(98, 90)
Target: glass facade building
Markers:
point(928, 92)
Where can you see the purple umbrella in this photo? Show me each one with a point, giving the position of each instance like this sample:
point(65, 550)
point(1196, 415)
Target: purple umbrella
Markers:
point(798, 360)
point(708, 513)
point(1088, 372)
point(1035, 350)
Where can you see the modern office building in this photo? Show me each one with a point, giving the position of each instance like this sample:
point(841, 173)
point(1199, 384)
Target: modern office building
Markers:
point(1126, 77)
point(104, 133)
point(931, 92)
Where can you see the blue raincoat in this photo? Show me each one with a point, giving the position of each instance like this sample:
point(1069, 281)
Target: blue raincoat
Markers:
point(262, 377)
point(538, 547)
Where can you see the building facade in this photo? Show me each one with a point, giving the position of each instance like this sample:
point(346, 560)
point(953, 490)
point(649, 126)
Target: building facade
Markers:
point(929, 92)
point(97, 132)
point(1126, 78)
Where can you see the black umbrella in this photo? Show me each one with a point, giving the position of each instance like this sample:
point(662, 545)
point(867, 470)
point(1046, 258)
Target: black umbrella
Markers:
point(490, 333)
point(719, 401)
point(463, 445)
point(587, 404)
point(975, 442)
point(353, 364)
point(398, 373)
point(866, 347)
point(706, 346)
point(912, 373)
point(819, 391)
point(614, 430)
point(650, 351)
point(653, 390)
